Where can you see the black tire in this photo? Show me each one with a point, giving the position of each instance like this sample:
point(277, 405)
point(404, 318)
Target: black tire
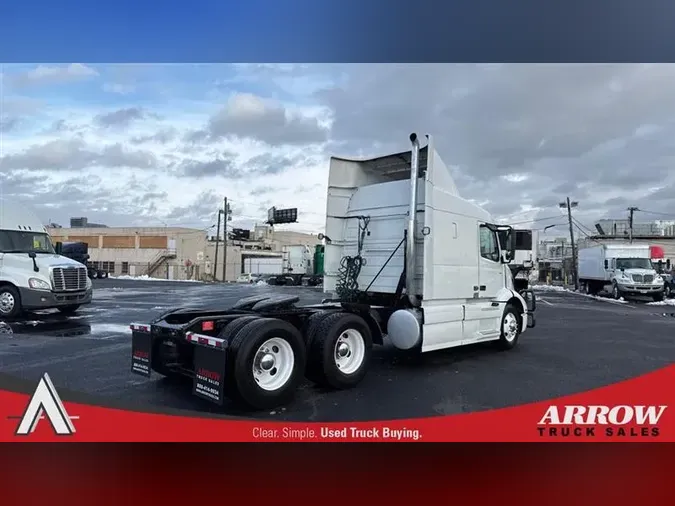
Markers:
point(616, 292)
point(505, 342)
point(68, 310)
point(243, 348)
point(312, 325)
point(10, 302)
point(235, 326)
point(322, 366)
point(658, 297)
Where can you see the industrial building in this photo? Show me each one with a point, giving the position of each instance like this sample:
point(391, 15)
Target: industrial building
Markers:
point(182, 253)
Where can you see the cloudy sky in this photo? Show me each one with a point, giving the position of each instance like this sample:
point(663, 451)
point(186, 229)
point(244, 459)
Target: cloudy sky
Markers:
point(163, 144)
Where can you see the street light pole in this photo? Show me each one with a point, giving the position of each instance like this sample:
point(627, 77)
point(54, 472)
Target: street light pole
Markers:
point(569, 205)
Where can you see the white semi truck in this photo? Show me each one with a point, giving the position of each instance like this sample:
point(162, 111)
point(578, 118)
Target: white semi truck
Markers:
point(32, 274)
point(407, 260)
point(619, 269)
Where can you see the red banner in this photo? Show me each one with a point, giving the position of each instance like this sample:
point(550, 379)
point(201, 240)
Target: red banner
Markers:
point(634, 410)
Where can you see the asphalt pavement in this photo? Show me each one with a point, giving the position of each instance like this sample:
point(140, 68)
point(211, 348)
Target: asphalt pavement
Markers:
point(579, 343)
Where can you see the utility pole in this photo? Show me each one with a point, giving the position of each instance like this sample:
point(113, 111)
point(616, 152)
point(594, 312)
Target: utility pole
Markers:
point(228, 217)
point(569, 205)
point(215, 260)
point(631, 210)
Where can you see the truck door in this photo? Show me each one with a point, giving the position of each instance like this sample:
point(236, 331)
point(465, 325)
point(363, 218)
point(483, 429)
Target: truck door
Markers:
point(490, 280)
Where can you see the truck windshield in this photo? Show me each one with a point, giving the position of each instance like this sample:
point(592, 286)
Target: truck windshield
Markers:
point(633, 263)
point(15, 241)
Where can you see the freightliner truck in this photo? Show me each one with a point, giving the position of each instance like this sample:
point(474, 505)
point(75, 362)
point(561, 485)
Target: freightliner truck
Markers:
point(32, 274)
point(407, 260)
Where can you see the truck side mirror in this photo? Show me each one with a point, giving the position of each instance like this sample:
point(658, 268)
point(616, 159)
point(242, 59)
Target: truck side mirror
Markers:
point(58, 247)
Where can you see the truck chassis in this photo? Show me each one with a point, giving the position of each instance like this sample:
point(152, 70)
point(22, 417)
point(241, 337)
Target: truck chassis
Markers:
point(258, 352)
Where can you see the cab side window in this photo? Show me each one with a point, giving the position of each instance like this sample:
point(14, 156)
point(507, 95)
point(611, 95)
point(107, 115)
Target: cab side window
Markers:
point(489, 247)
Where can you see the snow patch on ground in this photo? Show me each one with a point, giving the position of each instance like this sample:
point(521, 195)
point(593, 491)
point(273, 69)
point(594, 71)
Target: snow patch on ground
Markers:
point(555, 288)
point(667, 302)
point(101, 328)
point(5, 329)
point(145, 277)
point(261, 283)
point(550, 288)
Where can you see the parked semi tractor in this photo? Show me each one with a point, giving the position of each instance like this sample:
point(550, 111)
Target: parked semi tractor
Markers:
point(79, 251)
point(407, 260)
point(620, 269)
point(32, 275)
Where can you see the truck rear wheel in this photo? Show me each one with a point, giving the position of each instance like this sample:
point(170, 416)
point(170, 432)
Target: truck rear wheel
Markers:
point(10, 302)
point(511, 328)
point(313, 323)
point(340, 351)
point(265, 363)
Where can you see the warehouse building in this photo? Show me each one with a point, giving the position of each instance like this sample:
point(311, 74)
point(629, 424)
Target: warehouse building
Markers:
point(181, 253)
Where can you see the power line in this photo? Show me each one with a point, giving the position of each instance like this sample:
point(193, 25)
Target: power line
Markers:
point(535, 220)
point(579, 224)
point(671, 215)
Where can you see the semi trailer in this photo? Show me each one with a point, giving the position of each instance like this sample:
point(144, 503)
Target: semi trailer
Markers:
point(406, 260)
point(301, 266)
point(663, 266)
point(619, 269)
point(524, 257)
point(33, 276)
point(79, 251)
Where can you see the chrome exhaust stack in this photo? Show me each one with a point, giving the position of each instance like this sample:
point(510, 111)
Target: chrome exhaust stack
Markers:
point(412, 223)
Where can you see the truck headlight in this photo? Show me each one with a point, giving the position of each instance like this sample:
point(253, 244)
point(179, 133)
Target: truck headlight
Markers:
point(38, 284)
point(658, 280)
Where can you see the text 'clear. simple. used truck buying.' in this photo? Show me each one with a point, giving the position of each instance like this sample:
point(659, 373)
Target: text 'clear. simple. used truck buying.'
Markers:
point(619, 269)
point(32, 274)
point(406, 260)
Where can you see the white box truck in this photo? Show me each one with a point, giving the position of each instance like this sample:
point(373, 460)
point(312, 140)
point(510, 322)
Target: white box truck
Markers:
point(620, 269)
point(32, 274)
point(407, 260)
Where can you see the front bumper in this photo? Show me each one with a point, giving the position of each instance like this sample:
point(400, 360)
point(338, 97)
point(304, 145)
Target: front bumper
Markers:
point(637, 289)
point(42, 299)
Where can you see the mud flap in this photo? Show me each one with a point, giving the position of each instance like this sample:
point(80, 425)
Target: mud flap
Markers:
point(141, 350)
point(209, 378)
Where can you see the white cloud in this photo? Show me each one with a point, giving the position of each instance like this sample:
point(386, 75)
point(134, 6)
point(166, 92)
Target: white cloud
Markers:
point(120, 89)
point(519, 138)
point(46, 75)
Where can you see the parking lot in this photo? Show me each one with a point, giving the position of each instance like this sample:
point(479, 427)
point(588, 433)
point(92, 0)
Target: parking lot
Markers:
point(579, 343)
